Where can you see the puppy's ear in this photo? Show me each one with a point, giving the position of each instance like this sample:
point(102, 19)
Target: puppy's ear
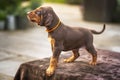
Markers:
point(49, 19)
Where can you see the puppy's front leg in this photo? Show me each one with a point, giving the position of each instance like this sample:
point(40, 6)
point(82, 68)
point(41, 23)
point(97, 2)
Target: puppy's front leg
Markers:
point(53, 61)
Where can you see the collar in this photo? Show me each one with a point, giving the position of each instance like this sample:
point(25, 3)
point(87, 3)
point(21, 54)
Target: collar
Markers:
point(54, 28)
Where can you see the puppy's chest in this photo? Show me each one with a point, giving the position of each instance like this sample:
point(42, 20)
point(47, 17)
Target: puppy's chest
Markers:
point(51, 40)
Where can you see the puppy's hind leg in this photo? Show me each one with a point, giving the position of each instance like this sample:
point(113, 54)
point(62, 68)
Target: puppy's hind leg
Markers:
point(90, 48)
point(74, 56)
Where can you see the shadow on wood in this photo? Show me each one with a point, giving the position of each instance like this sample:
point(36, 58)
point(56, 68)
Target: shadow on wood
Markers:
point(108, 68)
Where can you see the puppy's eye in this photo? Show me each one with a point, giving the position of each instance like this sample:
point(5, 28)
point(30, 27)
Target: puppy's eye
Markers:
point(38, 12)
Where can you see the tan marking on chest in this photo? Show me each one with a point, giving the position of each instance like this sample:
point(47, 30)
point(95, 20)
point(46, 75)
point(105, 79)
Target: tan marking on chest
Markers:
point(49, 39)
point(52, 41)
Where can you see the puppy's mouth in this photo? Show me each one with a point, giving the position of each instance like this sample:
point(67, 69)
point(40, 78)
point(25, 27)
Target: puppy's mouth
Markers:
point(39, 23)
point(33, 20)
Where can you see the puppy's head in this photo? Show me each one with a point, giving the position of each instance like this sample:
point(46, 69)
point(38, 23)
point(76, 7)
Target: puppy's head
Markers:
point(43, 16)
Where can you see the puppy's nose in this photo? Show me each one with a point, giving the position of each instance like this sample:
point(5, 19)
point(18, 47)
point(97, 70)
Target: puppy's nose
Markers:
point(28, 13)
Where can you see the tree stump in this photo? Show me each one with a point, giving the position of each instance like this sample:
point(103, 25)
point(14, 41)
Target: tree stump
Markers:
point(107, 68)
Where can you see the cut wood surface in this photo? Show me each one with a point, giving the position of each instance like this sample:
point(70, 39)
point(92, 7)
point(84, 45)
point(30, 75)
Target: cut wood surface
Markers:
point(107, 68)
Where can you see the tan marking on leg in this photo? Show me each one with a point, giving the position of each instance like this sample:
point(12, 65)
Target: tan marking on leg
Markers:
point(94, 60)
point(73, 57)
point(52, 41)
point(52, 66)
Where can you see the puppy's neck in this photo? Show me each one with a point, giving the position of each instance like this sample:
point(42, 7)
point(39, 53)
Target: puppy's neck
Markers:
point(54, 25)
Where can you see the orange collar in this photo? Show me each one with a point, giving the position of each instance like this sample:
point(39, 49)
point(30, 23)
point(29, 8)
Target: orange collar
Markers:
point(55, 27)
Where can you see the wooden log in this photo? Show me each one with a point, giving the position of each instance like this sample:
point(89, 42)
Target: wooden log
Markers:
point(107, 68)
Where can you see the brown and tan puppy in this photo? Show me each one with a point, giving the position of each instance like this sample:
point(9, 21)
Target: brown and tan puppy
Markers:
point(63, 37)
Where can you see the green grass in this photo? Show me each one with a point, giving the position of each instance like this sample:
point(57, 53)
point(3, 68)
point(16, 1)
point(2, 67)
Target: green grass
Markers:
point(65, 1)
point(55, 1)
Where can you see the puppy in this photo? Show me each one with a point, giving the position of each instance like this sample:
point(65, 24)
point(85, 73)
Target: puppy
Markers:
point(63, 37)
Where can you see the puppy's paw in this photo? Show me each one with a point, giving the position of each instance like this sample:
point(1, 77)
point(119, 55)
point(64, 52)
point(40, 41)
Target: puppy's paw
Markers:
point(50, 71)
point(68, 60)
point(92, 63)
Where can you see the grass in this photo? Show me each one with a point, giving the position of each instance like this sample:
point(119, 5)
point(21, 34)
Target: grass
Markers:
point(55, 1)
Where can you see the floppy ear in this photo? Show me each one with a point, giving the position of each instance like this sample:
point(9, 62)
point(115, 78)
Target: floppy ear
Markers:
point(49, 19)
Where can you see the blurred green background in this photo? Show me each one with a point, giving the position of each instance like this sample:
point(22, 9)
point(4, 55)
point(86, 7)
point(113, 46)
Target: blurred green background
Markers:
point(18, 9)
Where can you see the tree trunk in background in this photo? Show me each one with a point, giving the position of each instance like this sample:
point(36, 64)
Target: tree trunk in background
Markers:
point(10, 23)
point(22, 22)
point(17, 22)
point(99, 10)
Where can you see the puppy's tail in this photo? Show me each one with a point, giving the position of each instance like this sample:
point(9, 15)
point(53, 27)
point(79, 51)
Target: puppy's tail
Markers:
point(95, 32)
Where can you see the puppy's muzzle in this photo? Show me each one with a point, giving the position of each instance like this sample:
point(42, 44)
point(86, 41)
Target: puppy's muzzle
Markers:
point(33, 17)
